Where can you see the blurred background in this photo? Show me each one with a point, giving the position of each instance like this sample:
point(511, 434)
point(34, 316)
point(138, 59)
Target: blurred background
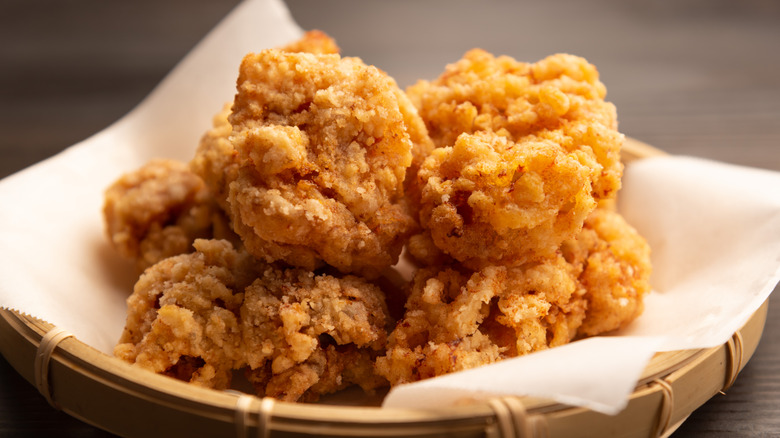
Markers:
point(691, 77)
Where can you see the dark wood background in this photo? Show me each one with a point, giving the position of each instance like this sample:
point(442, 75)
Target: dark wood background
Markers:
point(694, 77)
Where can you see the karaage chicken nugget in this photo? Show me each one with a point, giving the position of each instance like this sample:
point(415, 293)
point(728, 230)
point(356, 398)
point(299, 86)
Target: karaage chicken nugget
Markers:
point(306, 335)
point(215, 159)
point(323, 150)
point(158, 210)
point(328, 370)
point(551, 152)
point(182, 317)
point(459, 319)
point(559, 97)
point(614, 266)
point(488, 200)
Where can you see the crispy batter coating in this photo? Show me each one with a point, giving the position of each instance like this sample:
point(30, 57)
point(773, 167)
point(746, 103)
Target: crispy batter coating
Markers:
point(421, 251)
point(422, 145)
point(559, 98)
point(328, 370)
point(197, 317)
point(614, 265)
point(322, 150)
point(525, 152)
point(457, 320)
point(158, 210)
point(215, 161)
point(183, 315)
point(307, 335)
point(490, 200)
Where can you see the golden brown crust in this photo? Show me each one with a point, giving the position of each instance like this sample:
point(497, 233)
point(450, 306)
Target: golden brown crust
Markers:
point(326, 371)
point(157, 211)
point(295, 325)
point(215, 160)
point(422, 145)
point(490, 200)
point(183, 315)
point(286, 311)
point(524, 153)
point(199, 316)
point(322, 150)
point(459, 319)
point(423, 252)
point(614, 264)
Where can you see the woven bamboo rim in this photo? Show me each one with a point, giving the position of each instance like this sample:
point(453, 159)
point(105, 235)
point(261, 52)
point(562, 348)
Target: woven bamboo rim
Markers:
point(113, 395)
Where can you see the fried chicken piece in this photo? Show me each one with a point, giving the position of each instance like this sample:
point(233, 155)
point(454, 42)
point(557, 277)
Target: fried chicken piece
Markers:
point(215, 159)
point(422, 252)
point(489, 200)
point(460, 319)
point(524, 153)
point(158, 210)
point(183, 315)
point(306, 335)
point(558, 98)
point(614, 266)
point(322, 149)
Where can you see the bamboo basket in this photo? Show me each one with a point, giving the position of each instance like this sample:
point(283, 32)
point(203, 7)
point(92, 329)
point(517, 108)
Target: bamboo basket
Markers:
point(120, 398)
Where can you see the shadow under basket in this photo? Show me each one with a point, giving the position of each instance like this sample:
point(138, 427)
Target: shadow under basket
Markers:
point(126, 400)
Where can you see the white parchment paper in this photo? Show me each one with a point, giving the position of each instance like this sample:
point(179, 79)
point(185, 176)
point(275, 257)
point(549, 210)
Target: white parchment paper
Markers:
point(714, 230)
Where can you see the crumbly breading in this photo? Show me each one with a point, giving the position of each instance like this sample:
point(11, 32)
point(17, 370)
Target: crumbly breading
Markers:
point(157, 211)
point(421, 251)
point(524, 153)
point(215, 161)
point(199, 316)
point(614, 265)
point(459, 319)
point(326, 371)
point(422, 145)
point(489, 200)
point(558, 98)
point(292, 319)
point(183, 315)
point(322, 149)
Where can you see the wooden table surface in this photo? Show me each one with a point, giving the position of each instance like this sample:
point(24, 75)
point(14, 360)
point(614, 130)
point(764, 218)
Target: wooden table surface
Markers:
point(691, 77)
